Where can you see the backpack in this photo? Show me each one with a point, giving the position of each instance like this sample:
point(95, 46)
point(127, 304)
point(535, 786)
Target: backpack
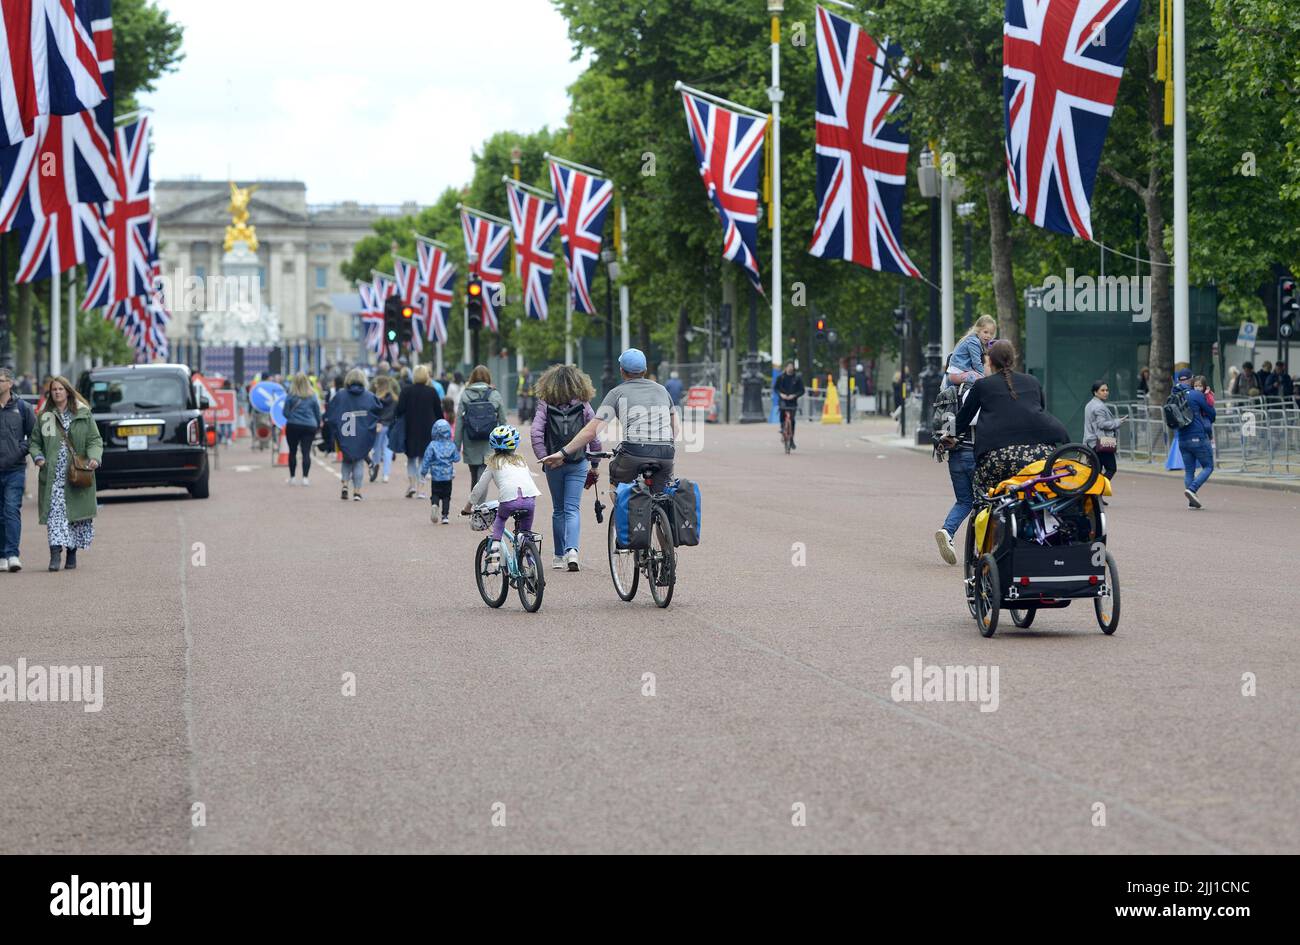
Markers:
point(562, 425)
point(632, 519)
point(1178, 413)
point(686, 512)
point(943, 415)
point(480, 417)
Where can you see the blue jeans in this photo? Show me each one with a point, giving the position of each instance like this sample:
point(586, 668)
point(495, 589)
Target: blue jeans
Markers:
point(11, 510)
point(1196, 451)
point(961, 470)
point(380, 451)
point(354, 471)
point(566, 495)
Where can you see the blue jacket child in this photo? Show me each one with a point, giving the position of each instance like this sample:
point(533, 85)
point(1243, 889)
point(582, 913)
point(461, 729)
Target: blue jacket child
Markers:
point(441, 455)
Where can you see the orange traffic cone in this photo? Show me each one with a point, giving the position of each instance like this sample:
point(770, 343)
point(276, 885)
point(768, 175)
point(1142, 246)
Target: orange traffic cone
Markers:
point(282, 457)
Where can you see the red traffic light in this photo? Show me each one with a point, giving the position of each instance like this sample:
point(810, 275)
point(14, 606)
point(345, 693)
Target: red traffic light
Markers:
point(821, 324)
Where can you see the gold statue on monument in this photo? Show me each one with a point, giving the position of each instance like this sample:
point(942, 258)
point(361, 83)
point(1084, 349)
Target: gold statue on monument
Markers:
point(240, 228)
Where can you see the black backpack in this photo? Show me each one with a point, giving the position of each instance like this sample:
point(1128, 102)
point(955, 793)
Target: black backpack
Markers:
point(562, 425)
point(1178, 413)
point(943, 416)
point(480, 417)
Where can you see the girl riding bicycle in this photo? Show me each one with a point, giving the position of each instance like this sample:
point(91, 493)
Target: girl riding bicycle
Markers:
point(515, 487)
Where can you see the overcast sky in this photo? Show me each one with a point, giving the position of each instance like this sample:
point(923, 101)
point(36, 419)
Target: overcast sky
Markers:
point(379, 101)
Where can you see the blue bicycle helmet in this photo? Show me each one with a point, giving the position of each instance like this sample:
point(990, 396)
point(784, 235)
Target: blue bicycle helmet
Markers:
point(504, 439)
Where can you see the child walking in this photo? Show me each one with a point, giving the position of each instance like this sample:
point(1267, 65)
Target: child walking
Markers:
point(515, 487)
point(439, 464)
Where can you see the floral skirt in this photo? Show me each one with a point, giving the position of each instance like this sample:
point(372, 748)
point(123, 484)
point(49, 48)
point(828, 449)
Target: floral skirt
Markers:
point(62, 532)
point(1003, 463)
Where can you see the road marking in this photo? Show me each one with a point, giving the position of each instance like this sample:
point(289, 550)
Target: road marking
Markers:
point(244, 468)
point(187, 701)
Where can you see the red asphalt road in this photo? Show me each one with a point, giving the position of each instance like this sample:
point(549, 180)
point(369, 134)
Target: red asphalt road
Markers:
point(225, 628)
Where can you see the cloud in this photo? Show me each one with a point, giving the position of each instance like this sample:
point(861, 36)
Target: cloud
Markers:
point(379, 101)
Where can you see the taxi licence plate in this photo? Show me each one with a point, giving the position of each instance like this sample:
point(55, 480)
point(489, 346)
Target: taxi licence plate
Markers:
point(125, 431)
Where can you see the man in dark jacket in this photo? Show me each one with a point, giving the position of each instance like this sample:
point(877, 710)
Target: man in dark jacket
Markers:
point(351, 418)
point(1194, 439)
point(17, 419)
point(787, 390)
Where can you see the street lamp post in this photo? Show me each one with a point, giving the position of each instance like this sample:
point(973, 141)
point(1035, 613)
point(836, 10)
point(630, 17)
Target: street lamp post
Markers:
point(774, 94)
point(610, 259)
point(965, 210)
point(931, 188)
point(517, 155)
point(751, 406)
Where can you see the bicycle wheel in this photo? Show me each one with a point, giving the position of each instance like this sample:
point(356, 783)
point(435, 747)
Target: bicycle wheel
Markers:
point(661, 559)
point(1079, 455)
point(988, 594)
point(622, 565)
point(1023, 618)
point(1107, 606)
point(493, 588)
point(968, 567)
point(532, 579)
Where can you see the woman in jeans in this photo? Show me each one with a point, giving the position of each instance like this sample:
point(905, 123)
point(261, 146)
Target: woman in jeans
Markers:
point(67, 511)
point(385, 388)
point(564, 397)
point(479, 390)
point(352, 416)
point(302, 418)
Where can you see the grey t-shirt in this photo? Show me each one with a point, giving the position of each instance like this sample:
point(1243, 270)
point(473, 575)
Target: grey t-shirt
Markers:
point(642, 408)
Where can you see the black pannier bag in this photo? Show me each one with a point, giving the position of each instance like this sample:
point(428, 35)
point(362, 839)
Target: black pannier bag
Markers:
point(686, 513)
point(639, 520)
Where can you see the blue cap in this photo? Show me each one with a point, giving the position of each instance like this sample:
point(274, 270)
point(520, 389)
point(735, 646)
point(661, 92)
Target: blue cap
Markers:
point(1184, 374)
point(632, 360)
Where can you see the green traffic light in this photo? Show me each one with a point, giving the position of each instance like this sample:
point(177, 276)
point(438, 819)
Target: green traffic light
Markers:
point(392, 336)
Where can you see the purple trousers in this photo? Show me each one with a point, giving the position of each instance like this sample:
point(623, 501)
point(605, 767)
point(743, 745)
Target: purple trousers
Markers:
point(506, 509)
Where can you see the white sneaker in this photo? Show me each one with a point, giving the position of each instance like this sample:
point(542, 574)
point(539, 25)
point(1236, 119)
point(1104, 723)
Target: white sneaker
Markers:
point(292, 481)
point(433, 516)
point(571, 559)
point(445, 520)
point(558, 563)
point(13, 564)
point(4, 564)
point(306, 481)
point(385, 479)
point(946, 549)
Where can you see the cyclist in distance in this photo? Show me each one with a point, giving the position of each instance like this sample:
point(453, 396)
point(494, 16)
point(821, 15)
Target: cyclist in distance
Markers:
point(788, 389)
point(648, 420)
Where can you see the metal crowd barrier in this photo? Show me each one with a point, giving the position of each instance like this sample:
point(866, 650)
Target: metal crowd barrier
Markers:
point(1253, 436)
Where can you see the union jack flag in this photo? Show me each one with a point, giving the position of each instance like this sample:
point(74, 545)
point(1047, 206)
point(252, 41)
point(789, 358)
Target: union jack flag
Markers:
point(75, 151)
point(486, 245)
point(534, 221)
point(125, 270)
point(372, 316)
point(60, 241)
point(437, 282)
point(1061, 65)
point(861, 155)
point(729, 148)
point(49, 66)
point(583, 200)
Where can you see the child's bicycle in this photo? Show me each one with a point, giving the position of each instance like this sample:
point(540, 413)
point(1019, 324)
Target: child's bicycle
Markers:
point(658, 562)
point(520, 565)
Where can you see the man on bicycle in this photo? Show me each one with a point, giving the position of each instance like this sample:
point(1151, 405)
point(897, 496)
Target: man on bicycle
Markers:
point(648, 420)
point(787, 390)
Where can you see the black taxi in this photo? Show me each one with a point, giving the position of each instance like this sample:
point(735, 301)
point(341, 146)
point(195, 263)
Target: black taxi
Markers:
point(151, 421)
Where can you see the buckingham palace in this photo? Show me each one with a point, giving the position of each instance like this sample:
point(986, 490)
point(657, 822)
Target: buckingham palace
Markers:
point(300, 246)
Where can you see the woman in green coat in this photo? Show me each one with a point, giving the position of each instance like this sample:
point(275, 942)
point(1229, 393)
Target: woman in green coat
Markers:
point(485, 399)
point(67, 512)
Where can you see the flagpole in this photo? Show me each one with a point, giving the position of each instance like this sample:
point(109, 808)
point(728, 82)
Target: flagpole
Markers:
point(56, 318)
point(775, 95)
point(568, 326)
point(72, 319)
point(1182, 327)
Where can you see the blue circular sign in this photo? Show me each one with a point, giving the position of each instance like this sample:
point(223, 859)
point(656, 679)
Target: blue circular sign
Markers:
point(263, 395)
point(277, 412)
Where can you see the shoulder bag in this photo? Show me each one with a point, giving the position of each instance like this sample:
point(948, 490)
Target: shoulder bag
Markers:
point(80, 475)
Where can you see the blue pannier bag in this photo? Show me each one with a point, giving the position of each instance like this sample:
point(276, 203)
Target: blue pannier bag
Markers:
point(685, 496)
point(632, 507)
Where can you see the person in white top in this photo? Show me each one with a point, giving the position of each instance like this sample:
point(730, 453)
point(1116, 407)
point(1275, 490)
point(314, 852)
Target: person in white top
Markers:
point(515, 487)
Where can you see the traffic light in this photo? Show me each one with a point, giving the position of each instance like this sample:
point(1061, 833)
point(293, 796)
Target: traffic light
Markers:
point(474, 302)
point(900, 321)
point(820, 325)
point(404, 324)
point(1288, 307)
point(392, 319)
